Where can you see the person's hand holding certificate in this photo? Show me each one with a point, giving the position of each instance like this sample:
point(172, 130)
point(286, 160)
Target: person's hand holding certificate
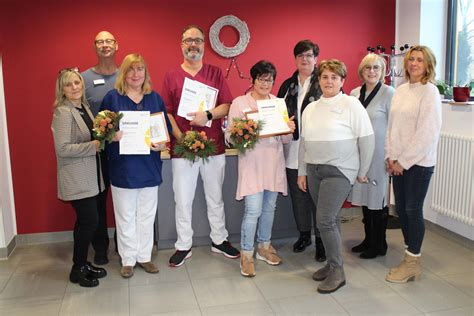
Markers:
point(196, 97)
point(274, 116)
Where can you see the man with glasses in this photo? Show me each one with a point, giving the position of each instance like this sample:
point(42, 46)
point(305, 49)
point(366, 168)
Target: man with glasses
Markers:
point(299, 90)
point(185, 173)
point(99, 80)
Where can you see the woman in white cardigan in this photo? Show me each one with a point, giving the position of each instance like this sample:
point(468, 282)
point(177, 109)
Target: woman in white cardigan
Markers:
point(410, 151)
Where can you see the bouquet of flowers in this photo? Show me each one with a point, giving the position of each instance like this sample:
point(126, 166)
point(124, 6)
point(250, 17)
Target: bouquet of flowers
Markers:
point(106, 123)
point(194, 144)
point(244, 133)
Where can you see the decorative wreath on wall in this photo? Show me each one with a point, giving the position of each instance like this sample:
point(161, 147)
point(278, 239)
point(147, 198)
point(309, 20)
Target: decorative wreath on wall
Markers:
point(230, 52)
point(239, 25)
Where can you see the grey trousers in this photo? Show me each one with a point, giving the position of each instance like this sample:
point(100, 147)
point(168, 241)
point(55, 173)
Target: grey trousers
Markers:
point(329, 189)
point(304, 209)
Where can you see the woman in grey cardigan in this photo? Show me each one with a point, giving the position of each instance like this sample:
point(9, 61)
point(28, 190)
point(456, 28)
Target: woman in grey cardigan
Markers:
point(78, 169)
point(376, 97)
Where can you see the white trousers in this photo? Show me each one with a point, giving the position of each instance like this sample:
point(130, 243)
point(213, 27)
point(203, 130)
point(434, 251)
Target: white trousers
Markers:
point(135, 211)
point(185, 175)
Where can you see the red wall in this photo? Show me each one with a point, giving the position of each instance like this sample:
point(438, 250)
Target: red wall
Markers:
point(39, 38)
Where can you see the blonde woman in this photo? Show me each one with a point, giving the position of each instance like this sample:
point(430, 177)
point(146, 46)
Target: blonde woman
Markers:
point(410, 150)
point(376, 97)
point(78, 169)
point(134, 179)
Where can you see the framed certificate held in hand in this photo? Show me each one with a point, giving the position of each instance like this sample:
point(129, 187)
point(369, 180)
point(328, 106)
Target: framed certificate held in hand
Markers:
point(158, 129)
point(274, 116)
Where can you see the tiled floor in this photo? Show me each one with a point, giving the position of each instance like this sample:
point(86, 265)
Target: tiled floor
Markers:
point(34, 281)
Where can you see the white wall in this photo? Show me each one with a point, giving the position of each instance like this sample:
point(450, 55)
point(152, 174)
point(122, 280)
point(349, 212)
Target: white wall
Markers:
point(425, 22)
point(7, 204)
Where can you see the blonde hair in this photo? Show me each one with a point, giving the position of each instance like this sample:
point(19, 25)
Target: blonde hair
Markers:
point(373, 59)
point(63, 77)
point(334, 65)
point(429, 60)
point(128, 62)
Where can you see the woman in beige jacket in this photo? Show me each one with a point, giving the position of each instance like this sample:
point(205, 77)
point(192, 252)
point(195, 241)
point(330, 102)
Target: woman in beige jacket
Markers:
point(79, 174)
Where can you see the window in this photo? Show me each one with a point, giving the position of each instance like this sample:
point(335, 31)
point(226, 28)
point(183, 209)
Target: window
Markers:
point(460, 44)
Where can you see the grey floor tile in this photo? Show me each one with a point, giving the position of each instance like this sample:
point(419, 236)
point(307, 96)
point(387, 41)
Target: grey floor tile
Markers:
point(375, 300)
point(446, 262)
point(39, 283)
point(431, 293)
point(280, 285)
point(38, 305)
point(225, 291)
point(463, 282)
point(34, 281)
point(166, 274)
point(162, 298)
point(466, 311)
point(192, 312)
point(96, 301)
point(313, 304)
point(3, 282)
point(248, 309)
point(205, 264)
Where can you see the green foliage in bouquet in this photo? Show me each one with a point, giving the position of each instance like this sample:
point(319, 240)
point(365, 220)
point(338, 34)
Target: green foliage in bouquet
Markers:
point(244, 134)
point(106, 124)
point(193, 145)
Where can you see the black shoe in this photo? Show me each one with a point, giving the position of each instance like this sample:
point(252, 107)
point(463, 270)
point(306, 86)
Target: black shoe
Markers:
point(177, 259)
point(81, 275)
point(320, 255)
point(303, 241)
point(100, 259)
point(226, 249)
point(96, 272)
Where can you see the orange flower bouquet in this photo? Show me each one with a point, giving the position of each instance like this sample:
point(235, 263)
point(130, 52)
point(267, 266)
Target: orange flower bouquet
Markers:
point(244, 133)
point(194, 145)
point(106, 123)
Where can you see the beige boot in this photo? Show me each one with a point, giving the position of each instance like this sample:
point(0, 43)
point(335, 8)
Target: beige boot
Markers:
point(267, 253)
point(409, 269)
point(247, 267)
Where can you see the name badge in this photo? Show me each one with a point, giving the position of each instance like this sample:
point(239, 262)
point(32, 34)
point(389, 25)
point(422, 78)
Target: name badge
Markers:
point(336, 109)
point(98, 82)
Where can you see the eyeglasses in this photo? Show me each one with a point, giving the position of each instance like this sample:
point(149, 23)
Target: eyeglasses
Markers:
point(190, 41)
point(304, 56)
point(374, 68)
point(108, 41)
point(263, 80)
point(73, 69)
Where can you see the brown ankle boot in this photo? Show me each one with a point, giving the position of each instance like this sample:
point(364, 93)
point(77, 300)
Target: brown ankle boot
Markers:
point(409, 269)
point(247, 267)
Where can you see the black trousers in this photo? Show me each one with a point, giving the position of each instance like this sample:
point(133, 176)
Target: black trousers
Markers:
point(87, 219)
point(304, 209)
point(100, 242)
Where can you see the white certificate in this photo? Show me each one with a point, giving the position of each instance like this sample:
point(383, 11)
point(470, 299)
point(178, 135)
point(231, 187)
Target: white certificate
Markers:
point(158, 129)
point(135, 126)
point(274, 115)
point(196, 97)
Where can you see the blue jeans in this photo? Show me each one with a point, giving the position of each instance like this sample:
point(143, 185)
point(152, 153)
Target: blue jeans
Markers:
point(259, 209)
point(410, 191)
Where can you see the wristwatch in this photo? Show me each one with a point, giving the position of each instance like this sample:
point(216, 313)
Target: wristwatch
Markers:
point(209, 115)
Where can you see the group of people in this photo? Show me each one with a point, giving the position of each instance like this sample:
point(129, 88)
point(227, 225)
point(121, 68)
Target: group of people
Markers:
point(339, 147)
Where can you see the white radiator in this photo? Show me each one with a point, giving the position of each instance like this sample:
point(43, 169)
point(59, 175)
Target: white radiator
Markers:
point(453, 178)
